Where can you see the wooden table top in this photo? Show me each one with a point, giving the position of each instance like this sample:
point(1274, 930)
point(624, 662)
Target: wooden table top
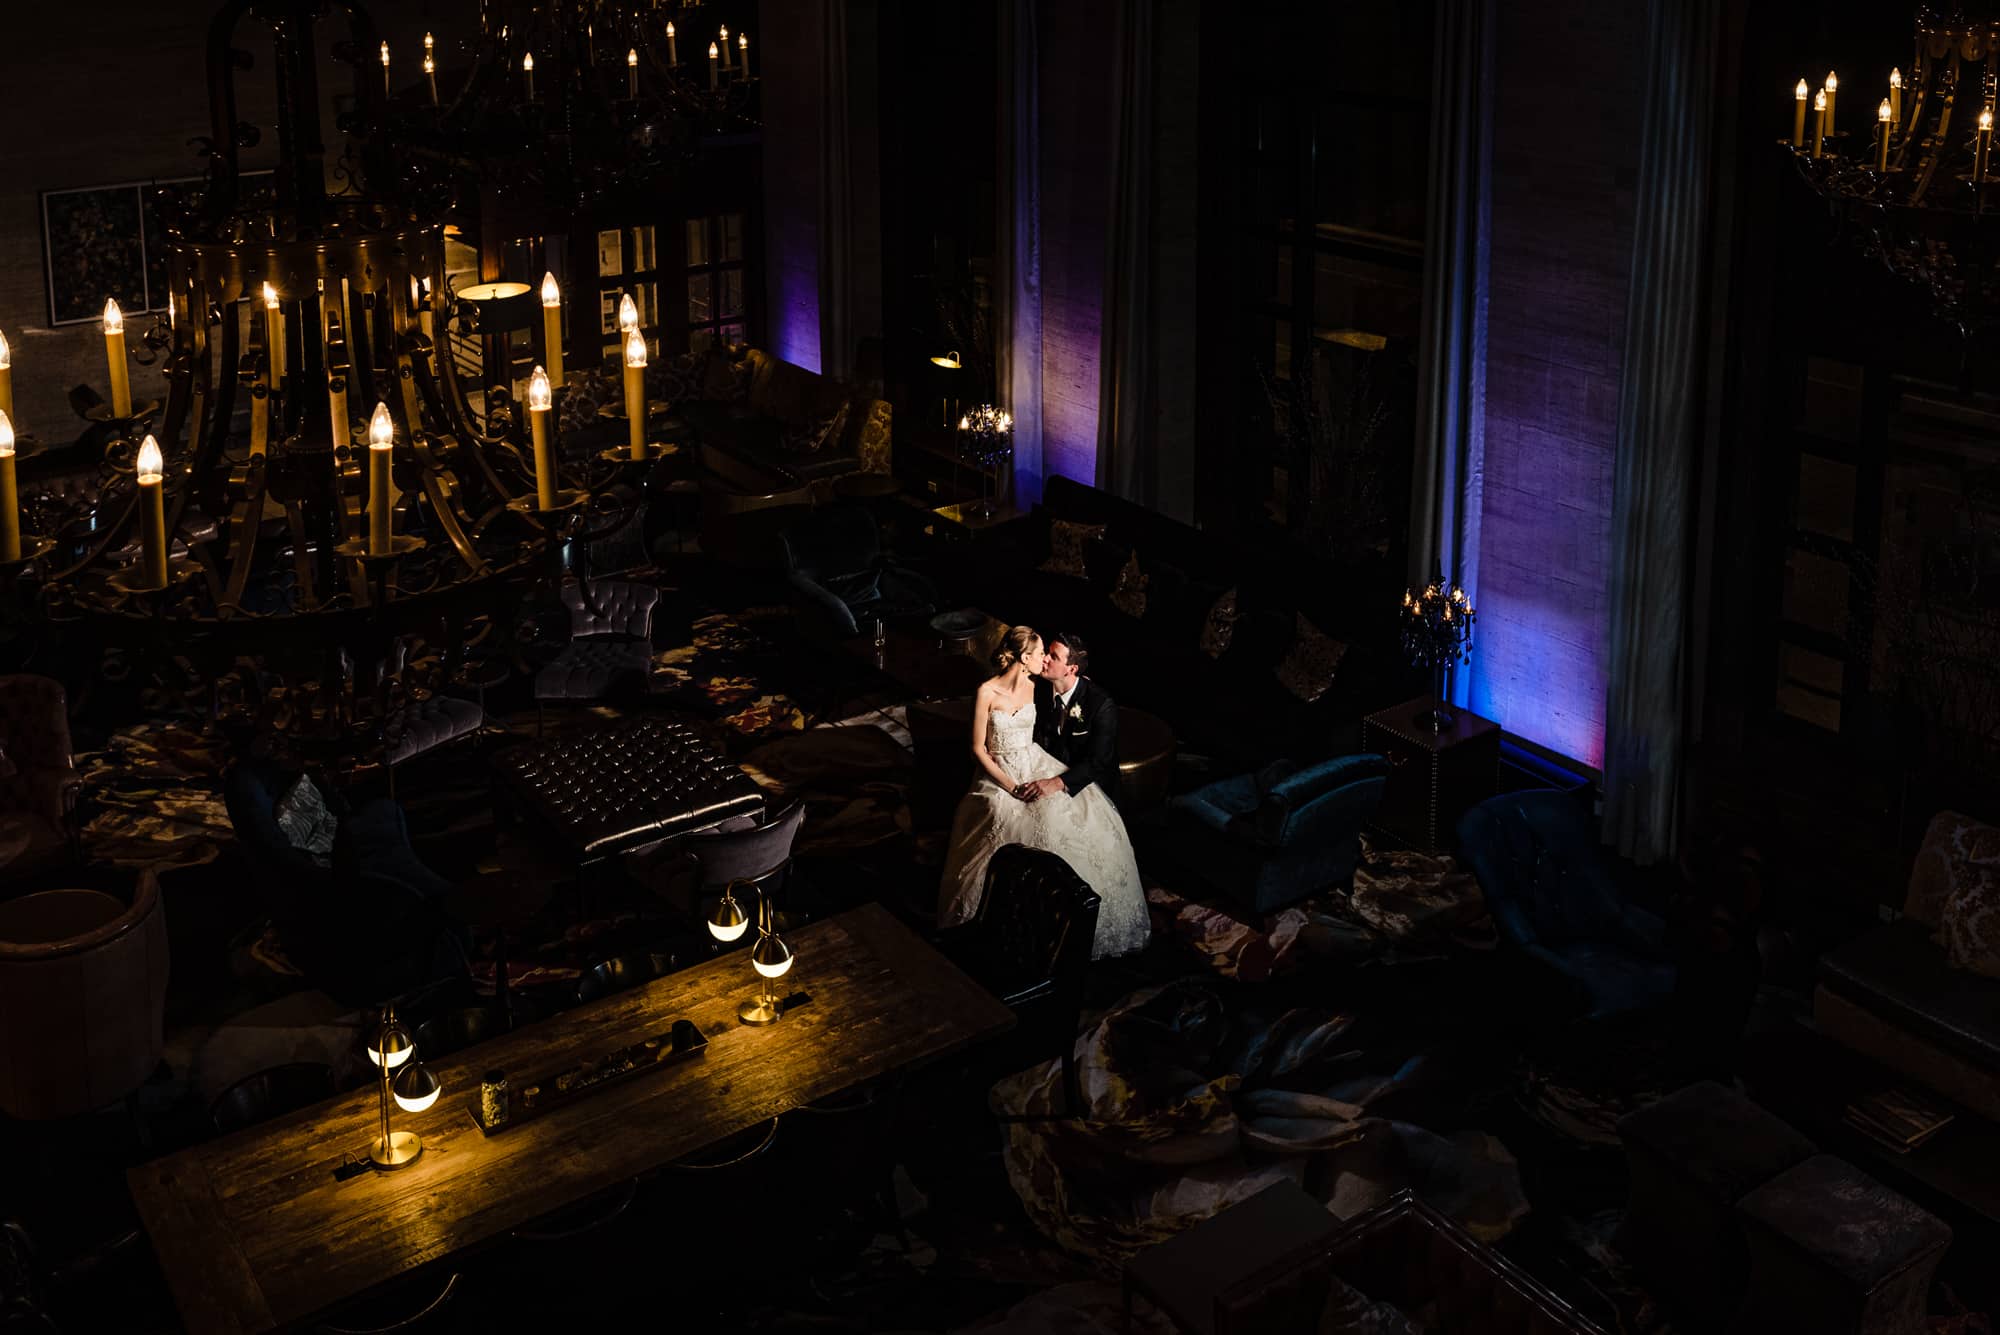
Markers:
point(254, 1233)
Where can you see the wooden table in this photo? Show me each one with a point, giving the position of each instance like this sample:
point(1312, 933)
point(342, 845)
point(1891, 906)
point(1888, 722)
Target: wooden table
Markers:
point(1433, 775)
point(254, 1233)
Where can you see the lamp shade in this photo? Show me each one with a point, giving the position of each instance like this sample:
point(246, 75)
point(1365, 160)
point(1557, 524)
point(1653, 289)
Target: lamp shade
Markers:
point(416, 1088)
point(950, 361)
point(771, 957)
point(498, 308)
point(728, 921)
point(393, 1045)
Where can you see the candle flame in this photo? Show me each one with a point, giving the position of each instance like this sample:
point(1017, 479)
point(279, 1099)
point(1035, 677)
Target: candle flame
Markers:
point(430, 66)
point(114, 319)
point(1882, 112)
point(152, 464)
point(528, 63)
point(635, 348)
point(725, 32)
point(7, 353)
point(670, 27)
point(1986, 119)
point(6, 436)
point(1819, 100)
point(381, 428)
point(743, 41)
point(539, 397)
point(270, 297)
point(1895, 78)
point(628, 314)
point(385, 55)
point(430, 43)
point(1802, 92)
point(551, 291)
point(632, 57)
point(713, 52)
point(1832, 82)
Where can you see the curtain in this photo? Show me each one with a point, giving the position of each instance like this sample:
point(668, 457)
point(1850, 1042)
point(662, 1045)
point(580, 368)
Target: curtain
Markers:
point(1127, 444)
point(836, 199)
point(1018, 282)
point(1658, 433)
point(1445, 491)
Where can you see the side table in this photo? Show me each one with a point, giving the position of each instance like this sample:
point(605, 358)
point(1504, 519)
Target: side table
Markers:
point(1434, 776)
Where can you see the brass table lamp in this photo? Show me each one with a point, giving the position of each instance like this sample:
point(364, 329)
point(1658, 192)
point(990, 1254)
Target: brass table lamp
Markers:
point(413, 1088)
point(769, 956)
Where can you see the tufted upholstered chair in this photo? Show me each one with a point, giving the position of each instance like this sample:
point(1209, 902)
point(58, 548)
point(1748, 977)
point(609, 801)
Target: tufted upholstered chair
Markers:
point(83, 976)
point(1555, 896)
point(1029, 945)
point(38, 784)
point(611, 644)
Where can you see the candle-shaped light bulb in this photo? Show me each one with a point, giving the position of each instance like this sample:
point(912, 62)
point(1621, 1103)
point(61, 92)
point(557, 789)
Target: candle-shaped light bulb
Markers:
point(385, 67)
point(6, 354)
point(1985, 147)
point(381, 440)
point(724, 39)
point(713, 54)
point(673, 51)
point(635, 393)
point(7, 375)
point(632, 72)
point(743, 54)
point(1832, 88)
point(10, 505)
point(540, 399)
point(274, 334)
point(552, 326)
point(1800, 93)
point(1895, 97)
point(430, 44)
point(1819, 122)
point(628, 314)
point(1986, 120)
point(1882, 136)
point(152, 470)
point(114, 356)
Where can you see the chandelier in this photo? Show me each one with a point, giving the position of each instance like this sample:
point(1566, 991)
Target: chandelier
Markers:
point(1910, 176)
point(309, 490)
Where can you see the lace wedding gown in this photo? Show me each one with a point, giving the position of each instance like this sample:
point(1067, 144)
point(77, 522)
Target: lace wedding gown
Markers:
point(1085, 831)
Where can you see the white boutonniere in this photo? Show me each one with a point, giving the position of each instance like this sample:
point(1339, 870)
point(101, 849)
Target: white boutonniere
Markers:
point(1076, 711)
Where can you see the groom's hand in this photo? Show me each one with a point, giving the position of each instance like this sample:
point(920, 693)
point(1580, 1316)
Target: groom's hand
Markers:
point(1035, 788)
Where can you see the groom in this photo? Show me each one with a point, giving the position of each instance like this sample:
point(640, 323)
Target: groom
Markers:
point(1076, 721)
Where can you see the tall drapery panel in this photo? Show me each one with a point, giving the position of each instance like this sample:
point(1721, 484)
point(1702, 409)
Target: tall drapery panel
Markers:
point(1018, 287)
point(836, 198)
point(1446, 492)
point(1658, 426)
point(1127, 447)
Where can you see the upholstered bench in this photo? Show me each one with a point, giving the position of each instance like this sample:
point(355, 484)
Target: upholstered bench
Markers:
point(1691, 1156)
point(1834, 1252)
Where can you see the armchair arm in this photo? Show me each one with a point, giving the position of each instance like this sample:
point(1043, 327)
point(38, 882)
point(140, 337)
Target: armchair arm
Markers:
point(821, 602)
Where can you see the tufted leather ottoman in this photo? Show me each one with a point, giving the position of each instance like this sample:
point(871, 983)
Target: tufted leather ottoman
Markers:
point(430, 723)
point(1692, 1156)
point(630, 782)
point(1834, 1252)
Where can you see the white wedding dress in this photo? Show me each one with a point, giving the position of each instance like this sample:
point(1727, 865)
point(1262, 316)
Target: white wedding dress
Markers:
point(1084, 830)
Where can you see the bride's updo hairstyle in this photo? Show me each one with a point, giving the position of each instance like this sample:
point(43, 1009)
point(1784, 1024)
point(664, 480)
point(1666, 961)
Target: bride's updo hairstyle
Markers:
point(1012, 645)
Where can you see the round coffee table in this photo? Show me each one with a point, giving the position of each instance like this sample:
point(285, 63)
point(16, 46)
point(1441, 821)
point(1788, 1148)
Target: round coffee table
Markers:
point(1145, 760)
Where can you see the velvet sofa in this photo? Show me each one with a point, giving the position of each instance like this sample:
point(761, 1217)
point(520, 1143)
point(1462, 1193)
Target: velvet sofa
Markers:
point(1891, 995)
point(1229, 706)
point(776, 419)
point(1274, 837)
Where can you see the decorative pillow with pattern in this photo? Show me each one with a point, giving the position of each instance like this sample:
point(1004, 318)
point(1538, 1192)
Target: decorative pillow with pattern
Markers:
point(1129, 595)
point(1066, 544)
point(1308, 666)
point(1952, 843)
point(816, 436)
point(1970, 926)
point(1220, 626)
point(305, 821)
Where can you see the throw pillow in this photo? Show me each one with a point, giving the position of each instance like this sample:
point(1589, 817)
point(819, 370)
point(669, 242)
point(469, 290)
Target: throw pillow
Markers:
point(1129, 594)
point(1308, 666)
point(1953, 843)
point(1971, 920)
point(1220, 626)
point(305, 821)
point(1066, 543)
point(816, 436)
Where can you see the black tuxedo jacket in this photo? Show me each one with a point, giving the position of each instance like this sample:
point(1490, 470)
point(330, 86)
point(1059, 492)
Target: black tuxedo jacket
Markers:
point(1084, 736)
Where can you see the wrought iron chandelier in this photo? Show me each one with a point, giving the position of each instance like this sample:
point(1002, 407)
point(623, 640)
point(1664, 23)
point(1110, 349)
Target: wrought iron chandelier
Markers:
point(1911, 176)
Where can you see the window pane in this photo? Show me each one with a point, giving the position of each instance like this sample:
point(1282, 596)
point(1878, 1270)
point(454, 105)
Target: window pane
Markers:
point(732, 236)
point(610, 255)
point(697, 242)
point(701, 304)
point(732, 292)
point(641, 250)
point(607, 311)
point(648, 297)
point(732, 334)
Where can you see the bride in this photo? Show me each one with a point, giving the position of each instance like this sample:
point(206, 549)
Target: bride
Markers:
point(1085, 830)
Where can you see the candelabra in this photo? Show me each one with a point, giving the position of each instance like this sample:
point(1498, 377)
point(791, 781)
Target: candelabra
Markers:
point(986, 441)
point(1437, 634)
point(1909, 178)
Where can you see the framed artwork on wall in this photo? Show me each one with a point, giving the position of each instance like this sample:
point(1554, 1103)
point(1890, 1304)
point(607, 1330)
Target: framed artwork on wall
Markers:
point(106, 241)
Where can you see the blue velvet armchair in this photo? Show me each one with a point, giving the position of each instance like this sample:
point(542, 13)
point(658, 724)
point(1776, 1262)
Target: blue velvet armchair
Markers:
point(369, 926)
point(840, 577)
point(1278, 835)
point(1554, 895)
